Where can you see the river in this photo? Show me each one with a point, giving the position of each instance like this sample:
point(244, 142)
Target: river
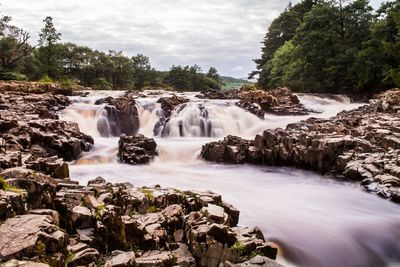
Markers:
point(315, 220)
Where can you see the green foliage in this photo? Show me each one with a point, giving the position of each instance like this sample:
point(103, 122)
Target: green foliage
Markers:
point(101, 84)
point(46, 79)
point(13, 76)
point(238, 247)
point(152, 209)
point(4, 185)
point(68, 83)
point(99, 211)
point(192, 78)
point(14, 44)
point(335, 46)
point(70, 258)
point(148, 193)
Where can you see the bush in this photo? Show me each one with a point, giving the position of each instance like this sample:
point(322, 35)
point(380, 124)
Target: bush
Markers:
point(15, 76)
point(69, 83)
point(46, 79)
point(101, 84)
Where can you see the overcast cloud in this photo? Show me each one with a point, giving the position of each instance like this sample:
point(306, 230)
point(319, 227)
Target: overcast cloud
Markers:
point(225, 34)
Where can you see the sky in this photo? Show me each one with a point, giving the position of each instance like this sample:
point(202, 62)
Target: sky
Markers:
point(225, 34)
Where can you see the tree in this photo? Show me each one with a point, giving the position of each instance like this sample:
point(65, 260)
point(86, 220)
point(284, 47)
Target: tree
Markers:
point(281, 30)
point(14, 44)
point(48, 39)
point(141, 70)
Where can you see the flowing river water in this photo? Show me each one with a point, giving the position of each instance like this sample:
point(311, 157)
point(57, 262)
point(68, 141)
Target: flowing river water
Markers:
point(315, 220)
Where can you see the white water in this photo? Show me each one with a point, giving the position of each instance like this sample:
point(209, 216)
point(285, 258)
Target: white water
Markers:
point(315, 220)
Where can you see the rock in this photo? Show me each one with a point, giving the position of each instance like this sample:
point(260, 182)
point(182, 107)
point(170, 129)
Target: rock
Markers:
point(17, 263)
point(257, 261)
point(30, 235)
point(168, 104)
point(85, 257)
point(361, 144)
point(121, 259)
point(215, 213)
point(183, 256)
point(155, 258)
point(123, 112)
point(136, 149)
point(82, 217)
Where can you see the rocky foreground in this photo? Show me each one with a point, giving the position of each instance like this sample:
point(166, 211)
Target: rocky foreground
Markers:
point(47, 219)
point(361, 145)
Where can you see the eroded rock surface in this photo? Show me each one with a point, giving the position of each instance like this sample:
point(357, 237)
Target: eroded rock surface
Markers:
point(136, 149)
point(362, 144)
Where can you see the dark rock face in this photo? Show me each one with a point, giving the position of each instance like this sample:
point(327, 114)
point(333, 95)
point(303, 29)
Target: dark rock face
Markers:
point(168, 104)
point(219, 94)
point(30, 138)
point(136, 149)
point(361, 144)
point(122, 114)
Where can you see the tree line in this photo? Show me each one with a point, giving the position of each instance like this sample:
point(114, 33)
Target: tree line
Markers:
point(332, 46)
point(69, 63)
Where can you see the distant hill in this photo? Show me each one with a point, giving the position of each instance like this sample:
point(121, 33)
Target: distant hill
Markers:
point(229, 83)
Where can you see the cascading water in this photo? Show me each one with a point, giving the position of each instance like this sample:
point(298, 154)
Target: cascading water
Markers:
point(315, 220)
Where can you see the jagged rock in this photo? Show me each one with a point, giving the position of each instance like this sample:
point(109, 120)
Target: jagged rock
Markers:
point(121, 259)
point(52, 166)
point(85, 257)
point(30, 235)
point(17, 263)
point(362, 145)
point(155, 258)
point(136, 149)
point(82, 217)
point(126, 113)
point(257, 261)
point(12, 203)
point(41, 189)
point(168, 104)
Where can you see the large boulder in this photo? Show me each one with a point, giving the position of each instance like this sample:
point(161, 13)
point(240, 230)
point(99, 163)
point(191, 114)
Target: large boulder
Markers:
point(28, 236)
point(123, 113)
point(136, 149)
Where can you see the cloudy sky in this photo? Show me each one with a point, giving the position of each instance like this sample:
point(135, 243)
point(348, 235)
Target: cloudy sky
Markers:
point(221, 33)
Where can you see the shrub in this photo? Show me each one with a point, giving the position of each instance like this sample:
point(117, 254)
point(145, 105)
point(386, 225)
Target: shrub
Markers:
point(46, 79)
point(101, 84)
point(15, 76)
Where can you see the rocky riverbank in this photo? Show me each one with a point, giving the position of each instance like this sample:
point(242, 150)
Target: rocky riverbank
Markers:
point(47, 219)
point(280, 101)
point(362, 145)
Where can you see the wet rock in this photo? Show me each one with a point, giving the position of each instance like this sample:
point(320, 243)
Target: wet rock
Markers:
point(168, 104)
point(123, 113)
point(30, 235)
point(136, 149)
point(361, 145)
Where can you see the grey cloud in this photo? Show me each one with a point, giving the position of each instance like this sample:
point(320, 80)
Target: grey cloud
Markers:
point(224, 34)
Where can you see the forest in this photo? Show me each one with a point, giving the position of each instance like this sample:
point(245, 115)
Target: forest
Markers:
point(332, 46)
point(69, 63)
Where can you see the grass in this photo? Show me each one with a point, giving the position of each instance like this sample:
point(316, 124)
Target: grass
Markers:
point(99, 211)
point(7, 187)
point(148, 193)
point(46, 79)
point(70, 258)
point(152, 209)
point(238, 247)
